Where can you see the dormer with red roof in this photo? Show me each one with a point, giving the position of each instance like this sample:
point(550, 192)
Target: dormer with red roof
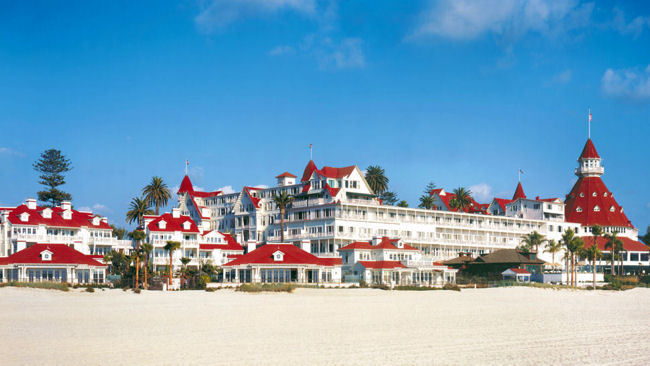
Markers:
point(286, 179)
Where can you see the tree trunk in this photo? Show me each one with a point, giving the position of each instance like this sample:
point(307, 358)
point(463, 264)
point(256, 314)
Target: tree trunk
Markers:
point(282, 224)
point(146, 269)
point(169, 277)
point(137, 265)
point(573, 270)
point(593, 269)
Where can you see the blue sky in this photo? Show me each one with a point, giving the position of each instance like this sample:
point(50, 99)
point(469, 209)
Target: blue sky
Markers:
point(460, 93)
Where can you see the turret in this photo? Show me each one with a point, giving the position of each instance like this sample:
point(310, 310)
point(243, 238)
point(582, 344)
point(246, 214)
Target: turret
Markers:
point(589, 162)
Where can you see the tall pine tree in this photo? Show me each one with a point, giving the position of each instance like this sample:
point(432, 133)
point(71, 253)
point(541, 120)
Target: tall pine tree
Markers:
point(51, 166)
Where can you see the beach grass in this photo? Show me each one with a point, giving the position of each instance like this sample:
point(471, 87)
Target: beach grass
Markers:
point(44, 285)
point(266, 287)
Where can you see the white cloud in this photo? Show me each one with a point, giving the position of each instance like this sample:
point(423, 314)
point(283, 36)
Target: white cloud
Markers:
point(563, 77)
point(85, 209)
point(226, 190)
point(10, 152)
point(218, 14)
point(631, 83)
point(196, 172)
point(344, 54)
point(481, 192)
point(100, 207)
point(263, 186)
point(635, 27)
point(281, 50)
point(507, 19)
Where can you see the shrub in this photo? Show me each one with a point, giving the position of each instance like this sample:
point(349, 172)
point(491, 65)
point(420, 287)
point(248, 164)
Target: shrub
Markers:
point(381, 287)
point(451, 286)
point(414, 288)
point(90, 289)
point(136, 290)
point(266, 287)
point(211, 289)
point(363, 284)
point(61, 286)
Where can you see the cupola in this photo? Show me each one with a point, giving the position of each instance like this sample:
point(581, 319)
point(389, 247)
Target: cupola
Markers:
point(589, 162)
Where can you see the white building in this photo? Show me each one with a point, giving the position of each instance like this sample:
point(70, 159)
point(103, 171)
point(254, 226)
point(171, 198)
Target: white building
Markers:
point(29, 224)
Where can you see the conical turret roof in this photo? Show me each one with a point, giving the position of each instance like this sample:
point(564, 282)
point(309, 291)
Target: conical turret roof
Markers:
point(519, 192)
point(589, 151)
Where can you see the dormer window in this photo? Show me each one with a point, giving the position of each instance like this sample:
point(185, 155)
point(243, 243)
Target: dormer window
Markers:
point(594, 194)
point(605, 194)
point(95, 221)
point(611, 209)
point(278, 256)
point(24, 217)
point(47, 213)
point(186, 225)
point(582, 194)
point(579, 209)
point(162, 224)
point(596, 208)
point(46, 255)
point(67, 215)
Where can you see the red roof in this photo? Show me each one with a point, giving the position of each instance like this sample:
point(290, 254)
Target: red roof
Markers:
point(308, 170)
point(581, 203)
point(384, 244)
point(306, 188)
point(286, 174)
point(382, 264)
point(292, 255)
point(255, 200)
point(77, 218)
point(502, 202)
point(519, 192)
point(187, 187)
point(589, 151)
point(447, 197)
point(332, 191)
point(519, 270)
point(628, 244)
point(61, 254)
point(336, 173)
point(173, 224)
point(231, 244)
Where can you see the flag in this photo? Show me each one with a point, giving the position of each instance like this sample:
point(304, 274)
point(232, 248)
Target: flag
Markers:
point(310, 146)
point(521, 171)
point(187, 162)
point(590, 116)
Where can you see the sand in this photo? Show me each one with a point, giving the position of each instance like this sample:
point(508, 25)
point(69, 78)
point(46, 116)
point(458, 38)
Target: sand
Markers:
point(311, 326)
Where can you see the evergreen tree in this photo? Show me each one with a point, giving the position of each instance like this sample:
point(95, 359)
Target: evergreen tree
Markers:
point(389, 198)
point(52, 165)
point(402, 203)
point(646, 238)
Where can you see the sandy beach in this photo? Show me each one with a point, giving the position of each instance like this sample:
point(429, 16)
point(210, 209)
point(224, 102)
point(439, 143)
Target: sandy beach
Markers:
point(312, 326)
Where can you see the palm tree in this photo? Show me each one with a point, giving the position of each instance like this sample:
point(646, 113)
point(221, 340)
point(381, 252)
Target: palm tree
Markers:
point(282, 201)
point(463, 199)
point(592, 254)
point(402, 203)
point(156, 193)
point(376, 178)
point(146, 248)
point(567, 238)
point(184, 262)
point(138, 208)
point(171, 246)
point(619, 254)
point(533, 240)
point(575, 246)
point(427, 201)
point(137, 235)
point(613, 243)
point(553, 247)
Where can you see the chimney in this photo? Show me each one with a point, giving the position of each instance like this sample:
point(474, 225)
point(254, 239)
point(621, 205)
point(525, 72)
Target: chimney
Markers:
point(104, 220)
point(305, 244)
point(251, 245)
point(66, 205)
point(376, 240)
point(176, 212)
point(31, 203)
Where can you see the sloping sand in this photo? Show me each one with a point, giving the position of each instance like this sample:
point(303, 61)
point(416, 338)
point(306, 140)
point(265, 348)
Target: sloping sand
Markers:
point(357, 326)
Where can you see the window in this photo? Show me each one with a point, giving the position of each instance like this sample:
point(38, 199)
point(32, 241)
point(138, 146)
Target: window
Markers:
point(596, 208)
point(578, 209)
point(594, 194)
point(611, 209)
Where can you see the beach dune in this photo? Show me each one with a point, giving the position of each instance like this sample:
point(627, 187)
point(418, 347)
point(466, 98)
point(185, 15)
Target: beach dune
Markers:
point(325, 326)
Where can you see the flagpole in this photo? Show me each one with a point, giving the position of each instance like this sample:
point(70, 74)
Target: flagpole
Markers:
point(589, 133)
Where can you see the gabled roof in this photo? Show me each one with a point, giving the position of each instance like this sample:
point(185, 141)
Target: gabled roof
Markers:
point(332, 191)
point(255, 200)
point(286, 175)
point(580, 204)
point(309, 169)
point(336, 173)
point(446, 198)
point(292, 255)
point(628, 244)
point(502, 202)
point(172, 223)
point(61, 254)
point(231, 244)
point(589, 151)
point(519, 192)
point(187, 187)
point(384, 244)
point(77, 218)
point(507, 256)
point(382, 264)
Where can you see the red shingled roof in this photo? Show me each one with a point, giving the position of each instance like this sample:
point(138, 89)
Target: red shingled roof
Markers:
point(336, 173)
point(385, 243)
point(502, 202)
point(61, 254)
point(519, 270)
point(447, 197)
point(231, 244)
point(519, 192)
point(255, 200)
point(589, 151)
point(187, 187)
point(628, 244)
point(382, 264)
point(332, 191)
point(308, 170)
point(292, 255)
point(77, 218)
point(609, 214)
point(286, 174)
point(173, 224)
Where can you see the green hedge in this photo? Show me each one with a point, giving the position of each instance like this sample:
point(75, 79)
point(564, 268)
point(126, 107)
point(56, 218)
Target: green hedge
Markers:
point(45, 285)
point(266, 287)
